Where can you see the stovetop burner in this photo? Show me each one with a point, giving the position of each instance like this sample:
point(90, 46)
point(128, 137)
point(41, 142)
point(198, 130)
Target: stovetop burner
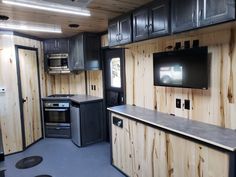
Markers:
point(61, 96)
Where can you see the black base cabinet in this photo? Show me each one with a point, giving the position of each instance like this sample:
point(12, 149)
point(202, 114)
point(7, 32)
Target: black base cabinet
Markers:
point(87, 123)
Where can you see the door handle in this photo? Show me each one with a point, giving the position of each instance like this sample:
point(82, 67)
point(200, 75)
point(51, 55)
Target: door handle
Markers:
point(24, 100)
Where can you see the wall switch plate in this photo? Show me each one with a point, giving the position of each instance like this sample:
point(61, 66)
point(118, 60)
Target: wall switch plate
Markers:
point(187, 104)
point(178, 103)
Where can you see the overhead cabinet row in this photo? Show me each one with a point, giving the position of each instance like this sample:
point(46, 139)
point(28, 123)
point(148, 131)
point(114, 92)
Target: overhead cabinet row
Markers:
point(163, 17)
point(80, 52)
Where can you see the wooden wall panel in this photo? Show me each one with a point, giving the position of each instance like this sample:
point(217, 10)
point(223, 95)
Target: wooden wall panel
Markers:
point(65, 84)
point(104, 40)
point(141, 151)
point(9, 101)
point(215, 106)
point(95, 78)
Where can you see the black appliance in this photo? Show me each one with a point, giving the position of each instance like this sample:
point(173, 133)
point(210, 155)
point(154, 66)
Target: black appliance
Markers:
point(57, 117)
point(58, 63)
point(186, 68)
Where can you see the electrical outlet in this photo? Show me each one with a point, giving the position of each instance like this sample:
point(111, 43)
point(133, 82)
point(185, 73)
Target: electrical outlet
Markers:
point(178, 103)
point(187, 104)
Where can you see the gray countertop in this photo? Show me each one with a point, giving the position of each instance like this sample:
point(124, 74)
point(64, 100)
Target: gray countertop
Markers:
point(220, 137)
point(84, 98)
point(76, 98)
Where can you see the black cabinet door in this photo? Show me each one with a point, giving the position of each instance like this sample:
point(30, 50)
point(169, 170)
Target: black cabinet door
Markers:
point(216, 11)
point(159, 17)
point(62, 45)
point(113, 33)
point(92, 46)
point(50, 46)
point(91, 122)
point(184, 15)
point(76, 53)
point(125, 30)
point(140, 24)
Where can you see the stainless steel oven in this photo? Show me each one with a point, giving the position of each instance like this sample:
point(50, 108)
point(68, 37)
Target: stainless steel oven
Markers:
point(58, 63)
point(57, 119)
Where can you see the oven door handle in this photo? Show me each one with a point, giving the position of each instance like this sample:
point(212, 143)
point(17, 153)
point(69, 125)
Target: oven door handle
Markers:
point(58, 110)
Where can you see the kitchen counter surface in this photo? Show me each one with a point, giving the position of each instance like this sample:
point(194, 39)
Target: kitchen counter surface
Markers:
point(217, 136)
point(84, 98)
point(76, 98)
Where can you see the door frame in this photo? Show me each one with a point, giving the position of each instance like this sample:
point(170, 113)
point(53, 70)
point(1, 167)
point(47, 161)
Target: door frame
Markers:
point(17, 47)
point(106, 114)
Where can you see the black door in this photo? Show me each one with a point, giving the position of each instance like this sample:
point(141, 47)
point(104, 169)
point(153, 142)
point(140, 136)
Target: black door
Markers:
point(159, 18)
point(114, 72)
point(140, 24)
point(113, 33)
point(184, 15)
point(216, 11)
point(125, 30)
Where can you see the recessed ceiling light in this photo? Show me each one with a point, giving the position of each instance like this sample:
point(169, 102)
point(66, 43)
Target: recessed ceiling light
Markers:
point(48, 6)
point(3, 17)
point(73, 25)
point(30, 26)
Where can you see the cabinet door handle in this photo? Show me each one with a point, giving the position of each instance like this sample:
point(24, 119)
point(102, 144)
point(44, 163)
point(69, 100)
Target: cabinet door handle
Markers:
point(150, 27)
point(200, 14)
point(121, 37)
point(117, 37)
point(193, 17)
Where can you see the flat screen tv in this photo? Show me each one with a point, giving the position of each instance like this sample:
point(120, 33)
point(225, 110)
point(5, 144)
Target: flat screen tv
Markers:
point(186, 68)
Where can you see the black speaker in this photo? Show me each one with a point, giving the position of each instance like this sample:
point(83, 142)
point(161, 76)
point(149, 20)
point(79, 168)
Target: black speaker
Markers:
point(195, 43)
point(187, 44)
point(177, 45)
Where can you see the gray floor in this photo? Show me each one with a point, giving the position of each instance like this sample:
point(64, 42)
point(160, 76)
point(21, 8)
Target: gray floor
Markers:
point(61, 158)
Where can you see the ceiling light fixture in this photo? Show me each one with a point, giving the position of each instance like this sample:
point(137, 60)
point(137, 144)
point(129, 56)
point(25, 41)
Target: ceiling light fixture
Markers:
point(30, 26)
point(48, 6)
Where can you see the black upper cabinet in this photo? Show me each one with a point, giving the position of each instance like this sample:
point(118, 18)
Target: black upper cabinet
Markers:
point(184, 15)
point(190, 14)
point(215, 11)
point(53, 46)
point(159, 18)
point(140, 24)
point(120, 31)
point(84, 52)
point(125, 28)
point(152, 20)
point(113, 32)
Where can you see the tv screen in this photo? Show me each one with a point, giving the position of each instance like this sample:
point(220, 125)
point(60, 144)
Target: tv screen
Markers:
point(186, 68)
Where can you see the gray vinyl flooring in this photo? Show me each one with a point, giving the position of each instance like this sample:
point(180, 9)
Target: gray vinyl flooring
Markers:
point(61, 158)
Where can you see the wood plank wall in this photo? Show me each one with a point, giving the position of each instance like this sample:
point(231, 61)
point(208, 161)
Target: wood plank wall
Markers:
point(9, 101)
point(50, 84)
point(216, 105)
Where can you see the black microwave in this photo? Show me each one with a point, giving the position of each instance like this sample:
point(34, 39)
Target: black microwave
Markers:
point(58, 63)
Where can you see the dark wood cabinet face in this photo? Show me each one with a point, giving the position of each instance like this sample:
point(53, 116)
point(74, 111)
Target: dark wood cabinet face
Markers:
point(125, 35)
point(184, 15)
point(92, 53)
point(159, 18)
point(52, 46)
point(113, 32)
point(140, 25)
point(85, 52)
point(215, 11)
point(76, 53)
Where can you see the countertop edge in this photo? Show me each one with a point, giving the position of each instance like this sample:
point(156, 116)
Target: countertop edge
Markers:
point(175, 131)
